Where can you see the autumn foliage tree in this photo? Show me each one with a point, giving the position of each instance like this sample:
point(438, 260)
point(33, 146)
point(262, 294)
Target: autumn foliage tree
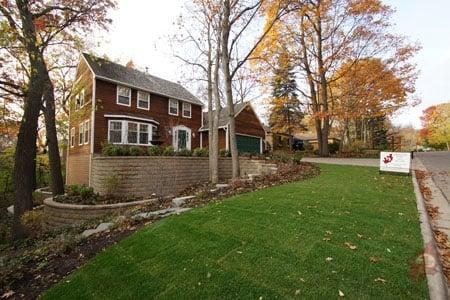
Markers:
point(31, 31)
point(364, 93)
point(436, 125)
point(322, 37)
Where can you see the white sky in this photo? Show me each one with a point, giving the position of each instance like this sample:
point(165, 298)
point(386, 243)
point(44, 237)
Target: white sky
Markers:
point(140, 29)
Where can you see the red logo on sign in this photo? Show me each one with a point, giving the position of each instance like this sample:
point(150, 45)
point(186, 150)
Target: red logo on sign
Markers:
point(388, 159)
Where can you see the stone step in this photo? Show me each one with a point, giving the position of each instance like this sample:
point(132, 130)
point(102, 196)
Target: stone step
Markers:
point(179, 201)
point(222, 185)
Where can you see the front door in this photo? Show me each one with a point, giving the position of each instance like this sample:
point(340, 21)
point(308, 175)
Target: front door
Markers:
point(182, 139)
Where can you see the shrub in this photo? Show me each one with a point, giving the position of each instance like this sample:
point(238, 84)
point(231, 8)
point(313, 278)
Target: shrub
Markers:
point(83, 191)
point(333, 148)
point(355, 147)
point(137, 151)
point(111, 184)
point(34, 222)
point(224, 153)
point(200, 152)
point(245, 154)
point(154, 151)
point(111, 150)
point(168, 151)
point(297, 157)
point(184, 152)
point(281, 156)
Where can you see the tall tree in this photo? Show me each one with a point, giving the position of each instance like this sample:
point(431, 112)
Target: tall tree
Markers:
point(366, 92)
point(323, 35)
point(34, 27)
point(238, 17)
point(436, 125)
point(200, 34)
point(285, 112)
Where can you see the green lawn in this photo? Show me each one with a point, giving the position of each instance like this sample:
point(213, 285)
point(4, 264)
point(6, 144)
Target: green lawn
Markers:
point(270, 244)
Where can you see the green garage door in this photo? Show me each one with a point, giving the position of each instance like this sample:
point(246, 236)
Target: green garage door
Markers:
point(248, 144)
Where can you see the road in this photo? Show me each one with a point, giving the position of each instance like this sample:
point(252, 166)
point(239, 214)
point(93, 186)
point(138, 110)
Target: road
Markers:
point(439, 164)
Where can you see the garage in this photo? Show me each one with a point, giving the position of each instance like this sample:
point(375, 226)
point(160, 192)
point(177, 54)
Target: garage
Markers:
point(248, 144)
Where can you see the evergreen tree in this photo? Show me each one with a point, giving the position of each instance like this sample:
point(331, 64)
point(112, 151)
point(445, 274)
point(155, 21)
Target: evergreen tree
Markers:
point(285, 112)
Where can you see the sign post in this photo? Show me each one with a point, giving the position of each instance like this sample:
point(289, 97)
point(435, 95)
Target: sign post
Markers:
point(398, 162)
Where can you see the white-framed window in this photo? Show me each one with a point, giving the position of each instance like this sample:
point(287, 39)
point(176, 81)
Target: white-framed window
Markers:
point(143, 133)
point(81, 134)
point(132, 136)
point(173, 107)
point(79, 99)
point(143, 100)
point(87, 131)
point(187, 110)
point(72, 137)
point(129, 132)
point(123, 95)
point(181, 137)
point(115, 132)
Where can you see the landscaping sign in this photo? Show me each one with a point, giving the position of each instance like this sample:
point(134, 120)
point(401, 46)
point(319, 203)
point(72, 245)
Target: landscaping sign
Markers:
point(399, 162)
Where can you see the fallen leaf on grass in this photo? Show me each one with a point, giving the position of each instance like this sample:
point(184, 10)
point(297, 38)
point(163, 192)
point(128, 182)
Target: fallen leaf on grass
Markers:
point(350, 246)
point(299, 212)
point(326, 239)
point(360, 235)
point(341, 294)
point(239, 252)
point(379, 279)
point(329, 259)
point(388, 250)
point(208, 275)
point(297, 292)
point(374, 259)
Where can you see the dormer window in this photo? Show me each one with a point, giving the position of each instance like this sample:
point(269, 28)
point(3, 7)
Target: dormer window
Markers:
point(187, 110)
point(173, 107)
point(123, 95)
point(143, 100)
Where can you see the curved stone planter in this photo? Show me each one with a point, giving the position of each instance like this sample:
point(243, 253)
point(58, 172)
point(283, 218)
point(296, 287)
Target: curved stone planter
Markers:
point(61, 214)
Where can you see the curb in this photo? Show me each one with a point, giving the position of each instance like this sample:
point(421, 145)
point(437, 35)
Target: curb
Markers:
point(437, 284)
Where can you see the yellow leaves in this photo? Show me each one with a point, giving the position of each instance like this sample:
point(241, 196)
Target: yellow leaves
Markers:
point(380, 280)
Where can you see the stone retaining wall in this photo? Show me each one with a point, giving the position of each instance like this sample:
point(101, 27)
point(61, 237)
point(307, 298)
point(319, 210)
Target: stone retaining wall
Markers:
point(61, 214)
point(162, 176)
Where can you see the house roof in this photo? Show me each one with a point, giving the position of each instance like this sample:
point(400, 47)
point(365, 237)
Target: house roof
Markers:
point(107, 70)
point(224, 118)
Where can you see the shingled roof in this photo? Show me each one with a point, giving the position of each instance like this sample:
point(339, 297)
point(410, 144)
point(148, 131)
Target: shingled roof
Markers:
point(224, 118)
point(105, 69)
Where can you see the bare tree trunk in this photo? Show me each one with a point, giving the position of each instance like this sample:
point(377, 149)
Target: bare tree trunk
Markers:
point(228, 87)
point(216, 96)
point(323, 90)
point(212, 161)
point(25, 155)
point(57, 182)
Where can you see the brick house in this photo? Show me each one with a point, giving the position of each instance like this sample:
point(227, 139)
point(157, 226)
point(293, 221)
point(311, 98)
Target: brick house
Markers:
point(117, 104)
point(250, 133)
point(121, 105)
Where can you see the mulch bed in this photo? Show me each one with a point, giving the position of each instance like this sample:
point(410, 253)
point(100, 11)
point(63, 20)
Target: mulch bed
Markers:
point(32, 267)
point(286, 173)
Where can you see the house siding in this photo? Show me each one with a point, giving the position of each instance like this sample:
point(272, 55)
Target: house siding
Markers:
point(247, 123)
point(159, 107)
point(78, 156)
point(222, 139)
